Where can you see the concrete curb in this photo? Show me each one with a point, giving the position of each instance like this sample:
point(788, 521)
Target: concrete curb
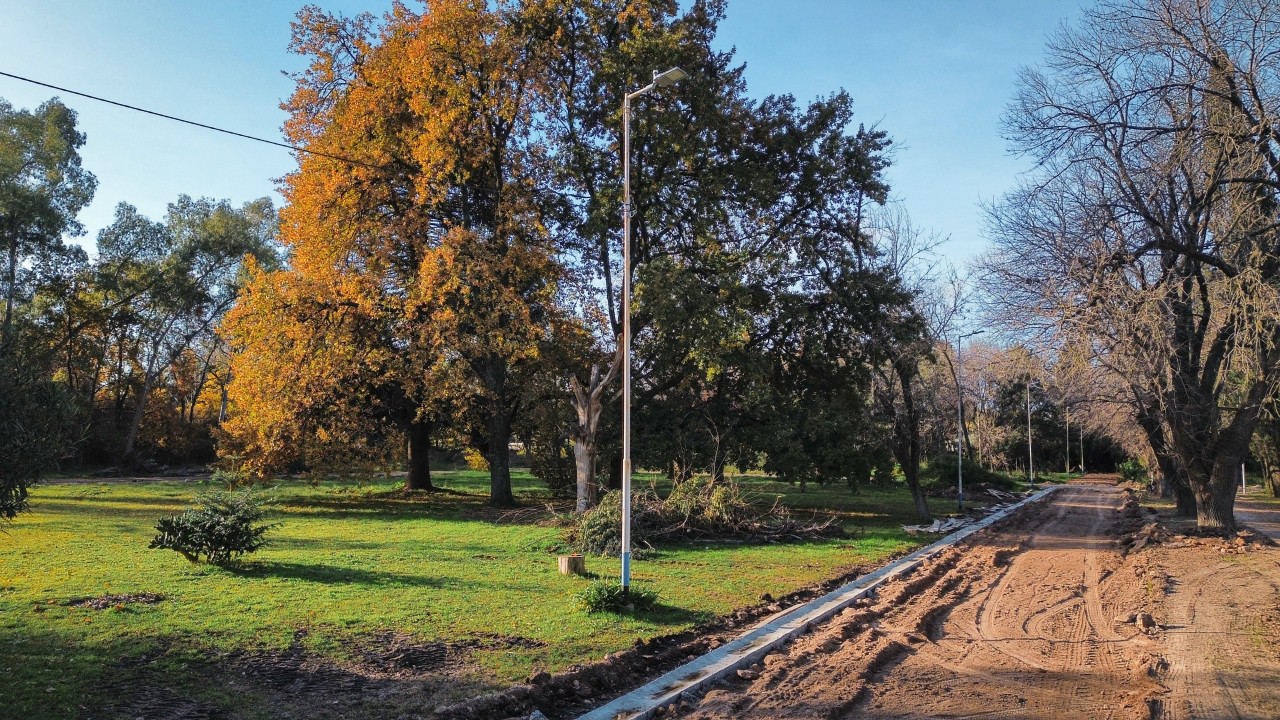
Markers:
point(641, 703)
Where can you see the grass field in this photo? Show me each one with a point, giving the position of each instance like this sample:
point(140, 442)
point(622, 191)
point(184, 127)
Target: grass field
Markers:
point(348, 562)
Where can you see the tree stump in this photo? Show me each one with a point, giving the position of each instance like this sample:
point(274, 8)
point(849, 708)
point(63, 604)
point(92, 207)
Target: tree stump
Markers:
point(572, 564)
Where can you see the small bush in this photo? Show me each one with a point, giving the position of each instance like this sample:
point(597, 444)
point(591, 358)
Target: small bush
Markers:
point(940, 472)
point(225, 526)
point(553, 464)
point(476, 460)
point(1132, 470)
point(608, 596)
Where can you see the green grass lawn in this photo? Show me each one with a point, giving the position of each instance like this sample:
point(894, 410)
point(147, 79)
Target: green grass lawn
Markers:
point(347, 562)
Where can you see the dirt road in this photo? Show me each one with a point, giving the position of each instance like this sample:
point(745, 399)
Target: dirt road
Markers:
point(1067, 611)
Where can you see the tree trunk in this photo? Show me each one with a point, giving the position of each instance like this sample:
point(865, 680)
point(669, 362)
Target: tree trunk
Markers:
point(615, 472)
point(964, 427)
point(493, 372)
point(419, 451)
point(584, 462)
point(1174, 483)
point(12, 289)
point(1173, 471)
point(1216, 498)
point(135, 422)
point(907, 432)
point(588, 403)
point(1186, 500)
point(1213, 467)
point(1274, 477)
point(499, 427)
point(684, 473)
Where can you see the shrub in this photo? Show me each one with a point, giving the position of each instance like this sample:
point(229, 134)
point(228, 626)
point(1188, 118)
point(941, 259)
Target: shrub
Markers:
point(940, 472)
point(225, 526)
point(38, 428)
point(553, 464)
point(476, 460)
point(1132, 470)
point(607, 596)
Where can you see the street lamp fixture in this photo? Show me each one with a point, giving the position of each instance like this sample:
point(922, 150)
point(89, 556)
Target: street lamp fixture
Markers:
point(670, 77)
point(660, 80)
point(960, 422)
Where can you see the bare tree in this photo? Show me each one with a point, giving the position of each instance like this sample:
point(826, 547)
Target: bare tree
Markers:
point(909, 255)
point(1148, 232)
point(588, 402)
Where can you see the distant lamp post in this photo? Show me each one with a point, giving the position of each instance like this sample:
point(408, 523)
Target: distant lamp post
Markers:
point(960, 422)
point(670, 77)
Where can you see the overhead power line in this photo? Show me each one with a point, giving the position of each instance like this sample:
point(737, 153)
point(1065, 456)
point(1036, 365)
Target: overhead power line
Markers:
point(295, 148)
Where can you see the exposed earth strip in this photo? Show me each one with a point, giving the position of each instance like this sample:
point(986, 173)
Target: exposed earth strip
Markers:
point(1068, 611)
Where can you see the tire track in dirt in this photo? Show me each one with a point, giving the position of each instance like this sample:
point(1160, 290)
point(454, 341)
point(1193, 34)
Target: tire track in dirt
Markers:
point(1214, 627)
point(1011, 623)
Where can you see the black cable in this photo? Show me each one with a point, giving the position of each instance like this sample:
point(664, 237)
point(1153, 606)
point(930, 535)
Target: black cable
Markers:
point(189, 122)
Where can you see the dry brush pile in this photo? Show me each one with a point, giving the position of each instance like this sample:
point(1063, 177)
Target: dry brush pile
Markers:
point(697, 509)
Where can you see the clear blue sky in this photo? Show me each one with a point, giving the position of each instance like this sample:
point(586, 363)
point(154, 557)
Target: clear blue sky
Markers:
point(935, 74)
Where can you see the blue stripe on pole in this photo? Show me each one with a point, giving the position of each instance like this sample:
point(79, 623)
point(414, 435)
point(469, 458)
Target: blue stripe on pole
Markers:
point(626, 569)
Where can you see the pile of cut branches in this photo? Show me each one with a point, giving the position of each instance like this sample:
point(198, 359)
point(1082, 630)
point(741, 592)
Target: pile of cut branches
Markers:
point(697, 509)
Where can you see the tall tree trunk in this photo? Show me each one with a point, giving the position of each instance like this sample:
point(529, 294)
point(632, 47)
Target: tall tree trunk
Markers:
point(1215, 499)
point(964, 426)
point(499, 427)
point(419, 451)
point(588, 403)
point(907, 431)
point(126, 454)
point(615, 472)
point(493, 372)
point(12, 289)
point(1173, 472)
point(584, 463)
point(1174, 483)
point(1185, 499)
point(1213, 467)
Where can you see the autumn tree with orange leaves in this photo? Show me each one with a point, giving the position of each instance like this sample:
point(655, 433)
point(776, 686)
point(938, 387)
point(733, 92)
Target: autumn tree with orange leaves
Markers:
point(422, 282)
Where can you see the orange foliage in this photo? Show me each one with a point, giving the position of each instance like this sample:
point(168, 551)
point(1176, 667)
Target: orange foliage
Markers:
point(418, 272)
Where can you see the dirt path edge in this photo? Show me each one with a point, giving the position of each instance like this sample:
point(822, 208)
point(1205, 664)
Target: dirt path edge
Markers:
point(643, 702)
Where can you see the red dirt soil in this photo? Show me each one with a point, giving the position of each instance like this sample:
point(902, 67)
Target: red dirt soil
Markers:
point(1078, 608)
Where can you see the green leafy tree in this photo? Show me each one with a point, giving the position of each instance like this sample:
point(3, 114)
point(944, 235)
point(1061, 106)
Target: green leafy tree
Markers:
point(42, 188)
point(39, 425)
point(734, 226)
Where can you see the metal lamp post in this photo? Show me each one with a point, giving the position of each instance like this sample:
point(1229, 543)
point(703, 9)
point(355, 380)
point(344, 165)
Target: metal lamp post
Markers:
point(670, 77)
point(960, 422)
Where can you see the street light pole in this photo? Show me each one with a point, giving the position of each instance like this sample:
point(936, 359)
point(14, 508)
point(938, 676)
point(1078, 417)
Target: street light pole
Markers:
point(669, 77)
point(960, 421)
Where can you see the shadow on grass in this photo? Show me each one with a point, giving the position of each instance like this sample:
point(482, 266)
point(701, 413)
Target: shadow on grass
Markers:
point(329, 574)
point(672, 615)
point(663, 614)
point(448, 505)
